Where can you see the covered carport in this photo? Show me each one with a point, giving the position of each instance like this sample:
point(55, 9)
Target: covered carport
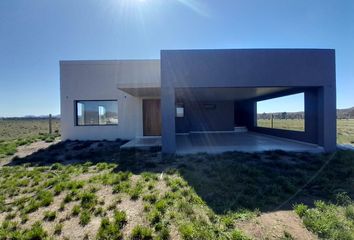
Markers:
point(217, 90)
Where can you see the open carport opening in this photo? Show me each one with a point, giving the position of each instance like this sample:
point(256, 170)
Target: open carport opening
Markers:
point(286, 113)
point(226, 119)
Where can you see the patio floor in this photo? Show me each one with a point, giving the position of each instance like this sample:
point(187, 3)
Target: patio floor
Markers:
point(223, 142)
point(243, 142)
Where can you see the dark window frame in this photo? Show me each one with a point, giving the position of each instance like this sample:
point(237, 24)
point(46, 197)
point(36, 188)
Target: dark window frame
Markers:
point(93, 125)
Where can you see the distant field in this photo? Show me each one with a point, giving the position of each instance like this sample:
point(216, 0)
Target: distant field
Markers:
point(19, 132)
point(345, 131)
point(292, 124)
point(25, 128)
point(345, 128)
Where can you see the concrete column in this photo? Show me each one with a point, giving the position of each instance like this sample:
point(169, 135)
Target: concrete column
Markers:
point(328, 118)
point(168, 109)
point(311, 115)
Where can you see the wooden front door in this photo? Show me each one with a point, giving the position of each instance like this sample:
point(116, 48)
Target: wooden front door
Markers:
point(151, 117)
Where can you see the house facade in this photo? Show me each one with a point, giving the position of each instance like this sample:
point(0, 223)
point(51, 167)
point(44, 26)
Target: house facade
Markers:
point(202, 91)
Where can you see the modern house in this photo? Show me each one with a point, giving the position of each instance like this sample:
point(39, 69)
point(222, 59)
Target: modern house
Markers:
point(204, 100)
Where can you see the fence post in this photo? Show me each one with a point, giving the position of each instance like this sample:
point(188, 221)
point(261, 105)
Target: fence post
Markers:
point(50, 124)
point(271, 122)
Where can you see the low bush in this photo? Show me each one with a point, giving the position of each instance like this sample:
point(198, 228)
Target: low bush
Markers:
point(45, 198)
point(36, 232)
point(108, 231)
point(49, 215)
point(327, 220)
point(88, 200)
point(238, 235)
point(85, 217)
point(120, 218)
point(58, 228)
point(141, 233)
point(76, 210)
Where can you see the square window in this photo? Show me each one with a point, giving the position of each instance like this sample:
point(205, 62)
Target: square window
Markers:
point(96, 113)
point(180, 111)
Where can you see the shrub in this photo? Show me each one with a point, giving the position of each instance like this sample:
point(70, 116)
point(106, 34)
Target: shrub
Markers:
point(76, 210)
point(164, 234)
point(85, 217)
point(120, 218)
point(45, 198)
point(300, 209)
point(99, 212)
point(141, 233)
point(68, 198)
point(7, 148)
point(151, 198)
point(343, 198)
point(136, 191)
point(349, 212)
point(161, 205)
point(49, 215)
point(10, 216)
point(58, 228)
point(58, 188)
point(108, 231)
point(121, 187)
point(24, 218)
point(36, 232)
point(326, 221)
point(154, 217)
point(32, 206)
point(73, 185)
point(238, 235)
point(228, 221)
point(88, 200)
point(176, 184)
point(187, 231)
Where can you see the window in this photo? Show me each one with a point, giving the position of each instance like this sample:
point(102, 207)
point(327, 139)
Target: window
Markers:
point(91, 113)
point(179, 111)
point(285, 113)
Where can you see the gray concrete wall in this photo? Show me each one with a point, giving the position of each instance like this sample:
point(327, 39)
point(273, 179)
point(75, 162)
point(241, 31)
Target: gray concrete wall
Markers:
point(300, 68)
point(97, 80)
point(200, 117)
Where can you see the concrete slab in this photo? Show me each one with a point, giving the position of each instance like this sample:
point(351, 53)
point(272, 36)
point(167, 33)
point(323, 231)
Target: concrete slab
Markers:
point(244, 142)
point(143, 142)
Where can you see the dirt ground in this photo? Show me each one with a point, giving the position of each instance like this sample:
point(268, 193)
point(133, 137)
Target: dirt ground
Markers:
point(26, 150)
point(274, 225)
point(270, 225)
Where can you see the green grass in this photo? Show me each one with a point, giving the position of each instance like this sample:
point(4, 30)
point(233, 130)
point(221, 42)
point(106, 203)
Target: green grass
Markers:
point(345, 127)
point(58, 228)
point(289, 124)
point(108, 230)
point(76, 210)
point(200, 196)
point(19, 132)
point(12, 129)
point(85, 217)
point(345, 131)
point(328, 220)
point(49, 216)
point(141, 233)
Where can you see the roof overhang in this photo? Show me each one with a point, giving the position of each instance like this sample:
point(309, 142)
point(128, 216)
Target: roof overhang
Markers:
point(228, 94)
point(143, 92)
point(140, 78)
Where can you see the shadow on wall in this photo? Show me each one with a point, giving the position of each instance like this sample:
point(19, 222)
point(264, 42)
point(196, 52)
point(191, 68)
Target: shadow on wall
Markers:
point(226, 182)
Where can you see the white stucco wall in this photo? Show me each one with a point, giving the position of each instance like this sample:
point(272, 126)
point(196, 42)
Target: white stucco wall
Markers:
point(97, 80)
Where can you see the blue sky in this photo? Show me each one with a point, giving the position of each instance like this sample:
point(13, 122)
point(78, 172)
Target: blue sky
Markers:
point(36, 34)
